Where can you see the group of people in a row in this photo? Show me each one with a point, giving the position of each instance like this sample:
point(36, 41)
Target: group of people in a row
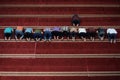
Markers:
point(60, 33)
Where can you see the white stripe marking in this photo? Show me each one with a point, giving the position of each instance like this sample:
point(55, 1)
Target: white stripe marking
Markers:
point(58, 5)
point(59, 55)
point(91, 73)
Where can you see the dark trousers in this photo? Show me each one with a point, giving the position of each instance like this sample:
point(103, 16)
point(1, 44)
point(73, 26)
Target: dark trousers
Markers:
point(112, 36)
point(47, 35)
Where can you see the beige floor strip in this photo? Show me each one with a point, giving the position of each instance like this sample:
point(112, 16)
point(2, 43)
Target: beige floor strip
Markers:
point(59, 55)
point(58, 5)
point(59, 41)
point(92, 73)
point(59, 16)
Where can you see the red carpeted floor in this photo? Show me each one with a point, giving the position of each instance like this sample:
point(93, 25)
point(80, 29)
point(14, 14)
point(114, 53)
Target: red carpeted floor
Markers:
point(77, 48)
point(60, 64)
point(46, 78)
point(59, 48)
point(61, 78)
point(36, 21)
point(60, 2)
point(59, 10)
point(17, 48)
point(45, 64)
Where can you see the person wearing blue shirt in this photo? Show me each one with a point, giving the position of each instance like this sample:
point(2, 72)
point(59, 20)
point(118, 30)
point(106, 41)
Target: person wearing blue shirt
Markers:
point(28, 33)
point(47, 34)
point(8, 33)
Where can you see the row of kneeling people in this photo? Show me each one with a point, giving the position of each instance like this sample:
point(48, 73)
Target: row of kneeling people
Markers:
point(60, 33)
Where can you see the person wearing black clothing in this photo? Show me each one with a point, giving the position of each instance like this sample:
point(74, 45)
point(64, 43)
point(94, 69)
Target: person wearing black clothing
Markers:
point(75, 20)
point(101, 33)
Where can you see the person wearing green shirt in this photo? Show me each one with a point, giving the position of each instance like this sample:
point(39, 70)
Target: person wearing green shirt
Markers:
point(37, 34)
